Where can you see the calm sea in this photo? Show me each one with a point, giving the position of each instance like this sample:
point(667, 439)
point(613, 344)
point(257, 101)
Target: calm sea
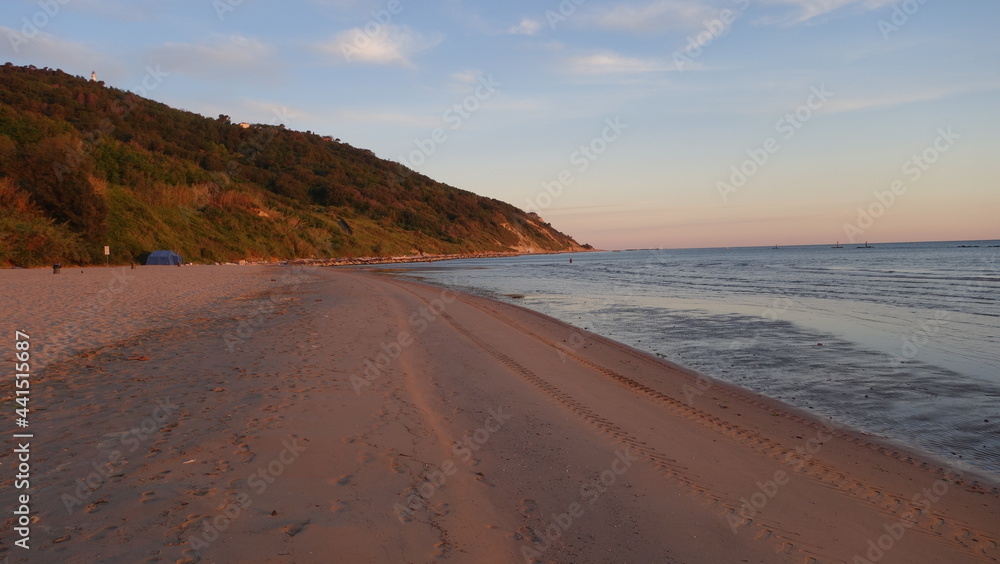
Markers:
point(900, 340)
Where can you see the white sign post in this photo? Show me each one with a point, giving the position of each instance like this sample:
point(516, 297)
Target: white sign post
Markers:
point(107, 253)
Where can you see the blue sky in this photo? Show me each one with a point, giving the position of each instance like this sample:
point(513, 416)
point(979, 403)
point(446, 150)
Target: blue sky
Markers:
point(717, 135)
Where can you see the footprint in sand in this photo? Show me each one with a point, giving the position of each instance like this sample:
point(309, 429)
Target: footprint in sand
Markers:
point(295, 528)
point(221, 467)
point(527, 506)
point(523, 532)
point(193, 519)
point(158, 476)
point(396, 466)
point(101, 534)
point(246, 456)
point(515, 536)
point(482, 479)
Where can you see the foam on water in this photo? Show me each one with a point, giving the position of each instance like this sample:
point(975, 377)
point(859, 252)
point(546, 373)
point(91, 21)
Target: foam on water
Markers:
point(910, 332)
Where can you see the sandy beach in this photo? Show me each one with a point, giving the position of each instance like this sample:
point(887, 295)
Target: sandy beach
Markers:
point(277, 415)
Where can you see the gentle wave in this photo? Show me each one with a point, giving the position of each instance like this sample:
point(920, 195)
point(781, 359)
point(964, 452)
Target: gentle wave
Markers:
point(901, 340)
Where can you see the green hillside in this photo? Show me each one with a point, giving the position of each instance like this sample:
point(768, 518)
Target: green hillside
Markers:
point(83, 166)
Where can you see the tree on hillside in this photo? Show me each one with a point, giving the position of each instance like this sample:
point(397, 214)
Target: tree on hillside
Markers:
point(56, 172)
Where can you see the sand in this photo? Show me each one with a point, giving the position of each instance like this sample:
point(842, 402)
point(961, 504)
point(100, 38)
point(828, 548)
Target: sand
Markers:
point(268, 414)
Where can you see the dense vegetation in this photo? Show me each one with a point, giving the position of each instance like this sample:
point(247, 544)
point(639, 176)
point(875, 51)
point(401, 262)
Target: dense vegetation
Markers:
point(83, 166)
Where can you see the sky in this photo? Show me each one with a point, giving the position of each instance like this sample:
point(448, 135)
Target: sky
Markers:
point(626, 124)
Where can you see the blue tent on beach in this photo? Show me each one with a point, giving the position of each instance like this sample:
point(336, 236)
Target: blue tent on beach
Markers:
point(168, 258)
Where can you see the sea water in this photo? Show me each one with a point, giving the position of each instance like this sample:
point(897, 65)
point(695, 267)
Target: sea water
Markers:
point(899, 340)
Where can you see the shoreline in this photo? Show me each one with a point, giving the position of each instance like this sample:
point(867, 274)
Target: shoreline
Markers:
point(875, 366)
point(338, 261)
point(699, 383)
point(390, 420)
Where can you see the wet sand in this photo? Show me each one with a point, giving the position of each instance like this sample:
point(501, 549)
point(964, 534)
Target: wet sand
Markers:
point(265, 414)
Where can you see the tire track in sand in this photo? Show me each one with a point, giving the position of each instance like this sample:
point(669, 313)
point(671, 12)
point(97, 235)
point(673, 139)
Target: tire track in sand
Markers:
point(951, 531)
point(932, 469)
point(938, 527)
point(781, 540)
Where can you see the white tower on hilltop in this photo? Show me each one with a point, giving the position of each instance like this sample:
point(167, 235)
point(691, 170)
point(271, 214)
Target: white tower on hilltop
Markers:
point(93, 76)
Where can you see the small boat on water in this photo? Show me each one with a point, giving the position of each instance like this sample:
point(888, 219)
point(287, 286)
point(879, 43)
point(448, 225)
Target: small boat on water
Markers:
point(837, 246)
point(867, 246)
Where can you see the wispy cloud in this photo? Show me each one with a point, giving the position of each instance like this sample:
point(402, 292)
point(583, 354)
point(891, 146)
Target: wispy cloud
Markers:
point(389, 45)
point(119, 10)
point(224, 56)
point(462, 82)
point(467, 77)
point(805, 10)
point(360, 115)
point(609, 62)
point(527, 26)
point(910, 97)
point(650, 17)
point(520, 106)
point(269, 112)
point(46, 50)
